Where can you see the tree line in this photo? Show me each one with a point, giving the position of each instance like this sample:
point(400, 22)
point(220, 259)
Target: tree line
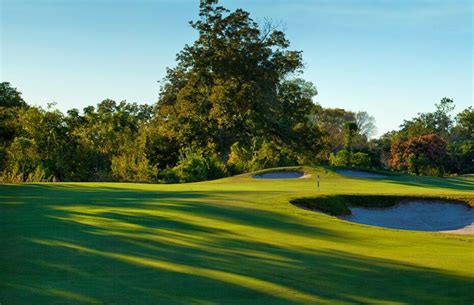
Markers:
point(234, 102)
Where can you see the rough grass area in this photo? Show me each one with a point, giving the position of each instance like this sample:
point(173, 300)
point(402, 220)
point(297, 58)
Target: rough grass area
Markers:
point(230, 241)
point(339, 205)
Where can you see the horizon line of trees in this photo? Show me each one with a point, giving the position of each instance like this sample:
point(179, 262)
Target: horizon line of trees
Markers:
point(122, 142)
point(234, 102)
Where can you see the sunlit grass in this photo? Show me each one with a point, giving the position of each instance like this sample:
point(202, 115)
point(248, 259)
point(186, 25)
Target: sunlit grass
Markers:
point(230, 241)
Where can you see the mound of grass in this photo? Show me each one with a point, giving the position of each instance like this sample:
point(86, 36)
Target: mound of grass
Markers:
point(279, 169)
point(332, 205)
point(339, 205)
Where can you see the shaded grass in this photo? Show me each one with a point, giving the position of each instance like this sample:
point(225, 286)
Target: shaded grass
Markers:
point(230, 241)
point(279, 169)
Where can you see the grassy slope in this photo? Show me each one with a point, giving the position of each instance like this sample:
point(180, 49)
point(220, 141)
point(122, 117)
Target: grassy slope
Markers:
point(231, 241)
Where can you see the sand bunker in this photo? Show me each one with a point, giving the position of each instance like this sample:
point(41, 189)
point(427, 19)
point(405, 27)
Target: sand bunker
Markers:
point(282, 175)
point(359, 174)
point(419, 215)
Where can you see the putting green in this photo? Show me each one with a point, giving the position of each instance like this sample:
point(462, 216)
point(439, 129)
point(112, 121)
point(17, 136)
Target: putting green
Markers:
point(232, 241)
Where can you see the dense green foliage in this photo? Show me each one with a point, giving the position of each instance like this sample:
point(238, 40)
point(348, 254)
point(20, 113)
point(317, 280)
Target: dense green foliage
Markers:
point(232, 241)
point(233, 103)
point(232, 88)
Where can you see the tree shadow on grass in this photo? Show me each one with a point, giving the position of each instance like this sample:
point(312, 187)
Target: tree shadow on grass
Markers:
point(111, 249)
point(154, 273)
point(148, 207)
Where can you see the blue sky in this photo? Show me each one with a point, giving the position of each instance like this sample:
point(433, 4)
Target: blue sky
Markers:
point(390, 58)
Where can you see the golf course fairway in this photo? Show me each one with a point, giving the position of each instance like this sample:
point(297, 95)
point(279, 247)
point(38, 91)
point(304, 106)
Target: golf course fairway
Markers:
point(236, 240)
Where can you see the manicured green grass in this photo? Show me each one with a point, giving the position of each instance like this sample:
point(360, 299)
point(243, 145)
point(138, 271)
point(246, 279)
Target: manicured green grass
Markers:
point(231, 241)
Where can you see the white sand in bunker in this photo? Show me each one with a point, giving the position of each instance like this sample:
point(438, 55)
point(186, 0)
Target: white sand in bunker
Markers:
point(359, 174)
point(419, 215)
point(282, 175)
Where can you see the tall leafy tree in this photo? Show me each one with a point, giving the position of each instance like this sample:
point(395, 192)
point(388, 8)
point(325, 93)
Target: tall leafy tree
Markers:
point(332, 122)
point(438, 122)
point(365, 124)
point(224, 88)
point(108, 130)
point(10, 103)
point(461, 146)
point(10, 97)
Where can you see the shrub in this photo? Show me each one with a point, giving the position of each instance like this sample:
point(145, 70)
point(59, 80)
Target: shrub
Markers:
point(262, 154)
point(37, 175)
point(195, 166)
point(239, 159)
point(168, 175)
point(360, 159)
point(215, 167)
point(14, 175)
point(342, 158)
point(191, 167)
point(430, 171)
point(271, 155)
point(131, 167)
